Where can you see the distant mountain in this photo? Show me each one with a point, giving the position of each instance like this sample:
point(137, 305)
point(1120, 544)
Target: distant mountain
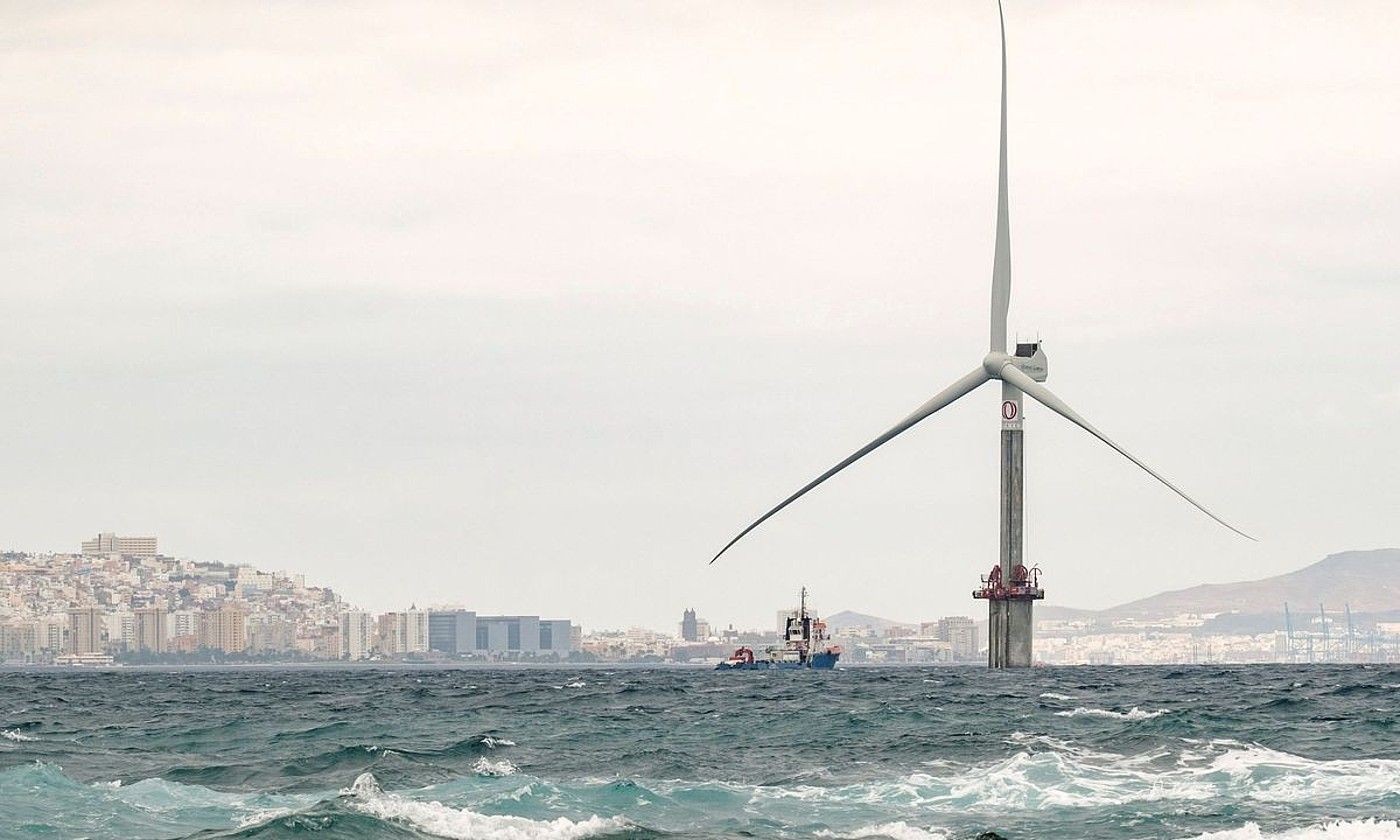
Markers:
point(846, 620)
point(1367, 580)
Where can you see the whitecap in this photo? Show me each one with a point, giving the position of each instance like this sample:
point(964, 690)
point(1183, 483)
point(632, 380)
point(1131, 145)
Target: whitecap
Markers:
point(1053, 695)
point(461, 823)
point(899, 830)
point(1132, 714)
point(259, 817)
point(1340, 830)
point(16, 735)
point(491, 742)
point(486, 767)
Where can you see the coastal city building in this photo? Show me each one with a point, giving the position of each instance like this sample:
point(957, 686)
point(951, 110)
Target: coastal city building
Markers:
point(87, 630)
point(960, 632)
point(108, 543)
point(151, 629)
point(356, 635)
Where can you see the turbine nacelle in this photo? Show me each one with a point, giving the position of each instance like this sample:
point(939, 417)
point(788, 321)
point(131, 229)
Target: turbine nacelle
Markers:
point(1029, 358)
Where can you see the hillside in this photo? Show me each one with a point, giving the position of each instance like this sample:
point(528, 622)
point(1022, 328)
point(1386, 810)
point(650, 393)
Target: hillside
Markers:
point(1367, 580)
point(846, 619)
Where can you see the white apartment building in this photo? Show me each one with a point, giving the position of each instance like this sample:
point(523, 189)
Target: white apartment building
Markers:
point(357, 629)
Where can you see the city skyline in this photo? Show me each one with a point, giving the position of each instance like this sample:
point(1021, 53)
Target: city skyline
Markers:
point(143, 601)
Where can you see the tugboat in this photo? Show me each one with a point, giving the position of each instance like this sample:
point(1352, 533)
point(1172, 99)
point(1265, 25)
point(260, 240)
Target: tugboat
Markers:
point(803, 647)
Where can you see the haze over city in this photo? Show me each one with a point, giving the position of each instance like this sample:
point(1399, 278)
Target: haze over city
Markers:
point(500, 319)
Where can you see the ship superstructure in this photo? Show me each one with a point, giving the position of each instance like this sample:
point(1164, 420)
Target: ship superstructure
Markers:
point(804, 646)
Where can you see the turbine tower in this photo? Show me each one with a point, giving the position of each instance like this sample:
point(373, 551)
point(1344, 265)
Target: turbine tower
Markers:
point(1009, 589)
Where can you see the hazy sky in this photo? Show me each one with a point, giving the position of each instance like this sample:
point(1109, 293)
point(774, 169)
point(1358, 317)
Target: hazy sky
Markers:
point(531, 307)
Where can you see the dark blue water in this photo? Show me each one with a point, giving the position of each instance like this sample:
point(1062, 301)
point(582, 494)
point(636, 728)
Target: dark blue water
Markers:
point(1294, 752)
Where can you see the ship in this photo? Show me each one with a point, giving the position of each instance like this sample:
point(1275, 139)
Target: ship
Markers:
point(804, 646)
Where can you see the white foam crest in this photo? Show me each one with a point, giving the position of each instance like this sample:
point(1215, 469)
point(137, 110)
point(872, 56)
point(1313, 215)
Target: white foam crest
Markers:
point(492, 743)
point(486, 767)
point(1054, 695)
point(1273, 776)
point(462, 824)
point(1076, 778)
point(1341, 830)
point(260, 817)
point(1132, 714)
point(16, 735)
point(898, 830)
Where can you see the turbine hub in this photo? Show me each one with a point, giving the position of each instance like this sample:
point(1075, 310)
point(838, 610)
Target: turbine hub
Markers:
point(993, 362)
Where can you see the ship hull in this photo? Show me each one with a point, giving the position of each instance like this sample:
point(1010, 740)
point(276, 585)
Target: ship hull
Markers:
point(820, 661)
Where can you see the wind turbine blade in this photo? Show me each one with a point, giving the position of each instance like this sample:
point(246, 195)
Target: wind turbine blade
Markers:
point(943, 398)
point(1010, 373)
point(1001, 262)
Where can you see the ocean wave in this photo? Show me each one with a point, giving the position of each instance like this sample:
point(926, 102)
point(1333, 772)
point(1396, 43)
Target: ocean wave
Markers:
point(492, 743)
point(1339, 830)
point(1132, 714)
point(487, 767)
point(1049, 775)
point(1084, 779)
point(16, 735)
point(1054, 695)
point(898, 830)
point(463, 824)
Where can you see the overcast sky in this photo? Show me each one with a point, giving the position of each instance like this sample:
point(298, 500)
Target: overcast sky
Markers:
point(531, 307)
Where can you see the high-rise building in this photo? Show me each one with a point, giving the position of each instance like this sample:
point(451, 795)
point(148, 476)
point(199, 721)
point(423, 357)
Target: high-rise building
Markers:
point(415, 630)
point(109, 543)
point(356, 634)
point(224, 629)
point(85, 630)
point(690, 630)
point(121, 629)
point(388, 634)
point(151, 629)
point(19, 640)
point(960, 632)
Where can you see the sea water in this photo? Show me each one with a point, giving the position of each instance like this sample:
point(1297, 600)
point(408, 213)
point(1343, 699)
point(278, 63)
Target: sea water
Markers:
point(527, 753)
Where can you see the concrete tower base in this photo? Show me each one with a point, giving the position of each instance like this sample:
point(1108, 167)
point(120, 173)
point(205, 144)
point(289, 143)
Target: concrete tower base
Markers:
point(1009, 633)
point(1010, 595)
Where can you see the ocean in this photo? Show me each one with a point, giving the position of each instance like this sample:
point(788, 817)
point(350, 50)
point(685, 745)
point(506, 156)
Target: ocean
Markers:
point(529, 753)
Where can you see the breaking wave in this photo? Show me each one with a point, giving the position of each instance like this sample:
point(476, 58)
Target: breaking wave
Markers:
point(899, 830)
point(1132, 714)
point(1339, 830)
point(487, 767)
point(442, 820)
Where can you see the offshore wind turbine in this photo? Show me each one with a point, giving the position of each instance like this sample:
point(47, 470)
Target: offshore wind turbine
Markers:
point(1009, 590)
